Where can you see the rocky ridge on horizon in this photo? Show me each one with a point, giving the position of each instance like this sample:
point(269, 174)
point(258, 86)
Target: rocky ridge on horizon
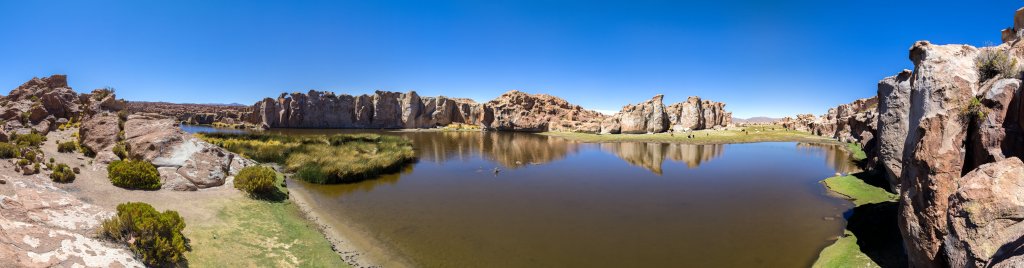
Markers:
point(512, 111)
point(192, 114)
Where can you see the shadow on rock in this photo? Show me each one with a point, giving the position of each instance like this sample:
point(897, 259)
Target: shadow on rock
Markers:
point(878, 234)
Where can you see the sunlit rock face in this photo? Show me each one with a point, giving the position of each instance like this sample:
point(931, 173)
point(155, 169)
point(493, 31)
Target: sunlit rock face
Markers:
point(512, 111)
point(984, 217)
point(39, 105)
point(652, 116)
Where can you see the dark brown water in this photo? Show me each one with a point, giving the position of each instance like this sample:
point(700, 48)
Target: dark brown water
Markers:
point(556, 203)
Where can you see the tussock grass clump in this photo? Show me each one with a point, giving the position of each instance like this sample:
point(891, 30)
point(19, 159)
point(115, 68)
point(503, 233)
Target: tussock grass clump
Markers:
point(31, 139)
point(67, 147)
point(992, 63)
point(62, 173)
point(8, 150)
point(256, 180)
point(155, 237)
point(260, 147)
point(322, 158)
point(133, 174)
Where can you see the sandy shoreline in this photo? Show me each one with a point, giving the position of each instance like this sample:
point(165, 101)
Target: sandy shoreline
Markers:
point(354, 247)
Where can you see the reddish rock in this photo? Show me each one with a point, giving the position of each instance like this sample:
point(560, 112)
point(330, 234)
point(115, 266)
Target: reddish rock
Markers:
point(99, 133)
point(985, 215)
point(944, 81)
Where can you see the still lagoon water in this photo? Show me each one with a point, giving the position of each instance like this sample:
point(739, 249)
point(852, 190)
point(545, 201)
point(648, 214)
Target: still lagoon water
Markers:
point(486, 199)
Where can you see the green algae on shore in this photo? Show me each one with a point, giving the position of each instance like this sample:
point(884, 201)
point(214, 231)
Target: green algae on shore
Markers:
point(844, 253)
point(858, 191)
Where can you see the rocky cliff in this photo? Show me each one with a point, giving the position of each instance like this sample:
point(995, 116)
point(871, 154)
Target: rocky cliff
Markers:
point(948, 136)
point(653, 116)
point(512, 111)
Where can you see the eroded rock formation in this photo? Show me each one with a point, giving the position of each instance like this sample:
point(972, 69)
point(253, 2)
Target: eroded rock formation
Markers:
point(653, 116)
point(185, 163)
point(512, 111)
point(948, 140)
point(984, 214)
point(38, 105)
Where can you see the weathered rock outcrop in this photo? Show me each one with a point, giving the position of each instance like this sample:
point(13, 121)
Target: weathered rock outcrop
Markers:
point(36, 105)
point(101, 124)
point(653, 116)
point(985, 215)
point(184, 162)
point(42, 225)
point(995, 131)
point(944, 81)
point(193, 114)
point(519, 111)
point(512, 111)
point(893, 110)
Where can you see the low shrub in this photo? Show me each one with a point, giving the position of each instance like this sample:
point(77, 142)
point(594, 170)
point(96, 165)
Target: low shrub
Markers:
point(30, 156)
point(121, 150)
point(8, 150)
point(134, 174)
point(155, 237)
point(256, 180)
point(86, 150)
point(31, 139)
point(67, 147)
point(62, 173)
point(992, 63)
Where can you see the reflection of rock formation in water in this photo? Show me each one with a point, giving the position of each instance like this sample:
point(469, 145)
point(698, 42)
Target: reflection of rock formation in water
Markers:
point(651, 155)
point(835, 156)
point(510, 150)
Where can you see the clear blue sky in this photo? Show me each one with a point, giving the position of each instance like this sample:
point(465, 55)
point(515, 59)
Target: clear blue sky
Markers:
point(761, 59)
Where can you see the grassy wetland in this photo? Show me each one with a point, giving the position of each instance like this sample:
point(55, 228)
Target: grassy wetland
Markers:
point(322, 159)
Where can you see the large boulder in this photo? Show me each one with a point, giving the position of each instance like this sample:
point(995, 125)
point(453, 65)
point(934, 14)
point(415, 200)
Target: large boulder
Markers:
point(688, 114)
point(985, 215)
point(944, 81)
point(150, 135)
point(893, 109)
point(645, 117)
point(99, 133)
point(185, 163)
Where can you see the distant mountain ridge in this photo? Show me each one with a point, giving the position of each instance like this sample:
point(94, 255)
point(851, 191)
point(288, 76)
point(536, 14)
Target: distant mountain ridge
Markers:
point(756, 119)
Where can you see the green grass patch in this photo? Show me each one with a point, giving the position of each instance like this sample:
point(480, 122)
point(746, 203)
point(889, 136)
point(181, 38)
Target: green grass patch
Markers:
point(732, 135)
point(857, 190)
point(254, 233)
point(322, 158)
point(856, 152)
point(843, 253)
